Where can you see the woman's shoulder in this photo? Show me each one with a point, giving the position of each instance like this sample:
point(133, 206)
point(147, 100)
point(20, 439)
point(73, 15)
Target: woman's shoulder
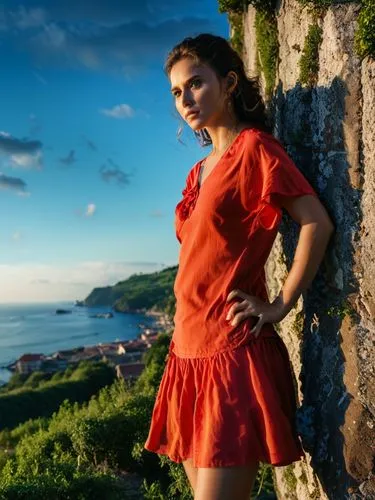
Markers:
point(255, 135)
point(258, 143)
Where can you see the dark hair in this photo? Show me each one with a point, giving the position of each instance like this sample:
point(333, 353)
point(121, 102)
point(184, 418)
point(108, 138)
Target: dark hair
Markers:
point(215, 51)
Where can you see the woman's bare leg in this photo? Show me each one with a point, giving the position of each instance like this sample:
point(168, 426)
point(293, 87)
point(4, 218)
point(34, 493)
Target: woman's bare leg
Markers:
point(191, 472)
point(221, 483)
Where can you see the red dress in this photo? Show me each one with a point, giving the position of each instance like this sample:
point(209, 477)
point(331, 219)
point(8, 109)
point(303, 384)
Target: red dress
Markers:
point(227, 398)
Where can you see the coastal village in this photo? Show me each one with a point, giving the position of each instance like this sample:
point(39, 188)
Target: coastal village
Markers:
point(125, 356)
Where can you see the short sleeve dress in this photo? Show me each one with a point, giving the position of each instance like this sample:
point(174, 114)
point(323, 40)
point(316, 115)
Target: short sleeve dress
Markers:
point(227, 398)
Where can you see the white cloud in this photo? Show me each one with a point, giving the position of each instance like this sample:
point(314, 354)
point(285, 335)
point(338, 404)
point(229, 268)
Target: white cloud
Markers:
point(122, 37)
point(90, 210)
point(122, 47)
point(33, 282)
point(27, 160)
point(120, 111)
point(21, 152)
point(54, 36)
point(28, 18)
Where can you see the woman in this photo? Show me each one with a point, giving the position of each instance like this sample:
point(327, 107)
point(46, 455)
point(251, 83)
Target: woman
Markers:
point(226, 400)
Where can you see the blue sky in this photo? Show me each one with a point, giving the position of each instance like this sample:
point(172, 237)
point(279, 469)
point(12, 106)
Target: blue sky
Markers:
point(90, 166)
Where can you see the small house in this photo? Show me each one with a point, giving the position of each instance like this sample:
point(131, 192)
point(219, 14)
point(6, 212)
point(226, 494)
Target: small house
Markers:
point(129, 371)
point(29, 363)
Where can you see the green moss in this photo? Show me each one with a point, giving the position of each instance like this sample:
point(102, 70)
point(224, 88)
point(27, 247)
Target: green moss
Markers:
point(309, 62)
point(342, 310)
point(268, 47)
point(235, 6)
point(298, 324)
point(239, 6)
point(266, 33)
point(364, 39)
point(258, 66)
point(290, 478)
point(316, 3)
point(236, 22)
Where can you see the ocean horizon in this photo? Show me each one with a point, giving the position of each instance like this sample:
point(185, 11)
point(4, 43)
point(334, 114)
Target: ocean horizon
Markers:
point(37, 329)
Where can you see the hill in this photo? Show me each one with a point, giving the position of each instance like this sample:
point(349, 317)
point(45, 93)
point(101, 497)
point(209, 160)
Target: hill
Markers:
point(139, 292)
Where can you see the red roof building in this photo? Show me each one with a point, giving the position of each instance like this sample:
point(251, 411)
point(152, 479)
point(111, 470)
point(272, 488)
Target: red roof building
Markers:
point(129, 370)
point(29, 363)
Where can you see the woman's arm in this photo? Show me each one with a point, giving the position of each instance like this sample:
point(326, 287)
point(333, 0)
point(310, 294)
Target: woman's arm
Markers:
point(316, 230)
point(315, 233)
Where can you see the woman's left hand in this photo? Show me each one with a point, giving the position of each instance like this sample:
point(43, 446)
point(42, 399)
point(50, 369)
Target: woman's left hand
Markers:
point(253, 306)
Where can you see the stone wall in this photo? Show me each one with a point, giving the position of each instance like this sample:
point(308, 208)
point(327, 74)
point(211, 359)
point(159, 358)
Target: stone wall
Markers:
point(328, 130)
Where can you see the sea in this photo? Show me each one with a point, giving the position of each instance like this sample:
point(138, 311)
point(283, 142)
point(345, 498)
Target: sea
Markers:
point(37, 329)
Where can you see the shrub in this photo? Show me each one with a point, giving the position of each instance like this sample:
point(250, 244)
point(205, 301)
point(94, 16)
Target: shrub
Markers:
point(268, 47)
point(237, 38)
point(63, 483)
point(309, 62)
point(25, 402)
point(239, 6)
point(364, 41)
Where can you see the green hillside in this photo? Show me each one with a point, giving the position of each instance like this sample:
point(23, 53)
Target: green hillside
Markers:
point(138, 292)
point(38, 397)
point(90, 450)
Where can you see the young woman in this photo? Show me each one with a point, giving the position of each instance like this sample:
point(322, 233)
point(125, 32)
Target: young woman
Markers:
point(226, 400)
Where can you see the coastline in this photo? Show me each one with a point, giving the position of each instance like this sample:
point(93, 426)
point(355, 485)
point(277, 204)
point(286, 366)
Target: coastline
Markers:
point(120, 350)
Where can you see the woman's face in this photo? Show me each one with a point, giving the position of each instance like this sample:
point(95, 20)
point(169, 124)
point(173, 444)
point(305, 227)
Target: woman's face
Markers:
point(196, 88)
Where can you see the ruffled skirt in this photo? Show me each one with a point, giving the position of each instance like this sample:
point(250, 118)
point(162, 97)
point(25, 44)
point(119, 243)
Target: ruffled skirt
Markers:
point(232, 408)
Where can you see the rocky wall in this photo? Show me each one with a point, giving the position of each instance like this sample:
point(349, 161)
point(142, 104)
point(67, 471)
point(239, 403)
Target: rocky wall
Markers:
point(328, 130)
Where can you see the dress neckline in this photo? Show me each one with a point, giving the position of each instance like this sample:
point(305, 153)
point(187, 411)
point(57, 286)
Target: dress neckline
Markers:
point(191, 194)
point(222, 157)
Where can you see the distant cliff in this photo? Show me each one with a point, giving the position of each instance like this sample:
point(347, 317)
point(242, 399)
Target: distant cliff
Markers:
point(138, 292)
